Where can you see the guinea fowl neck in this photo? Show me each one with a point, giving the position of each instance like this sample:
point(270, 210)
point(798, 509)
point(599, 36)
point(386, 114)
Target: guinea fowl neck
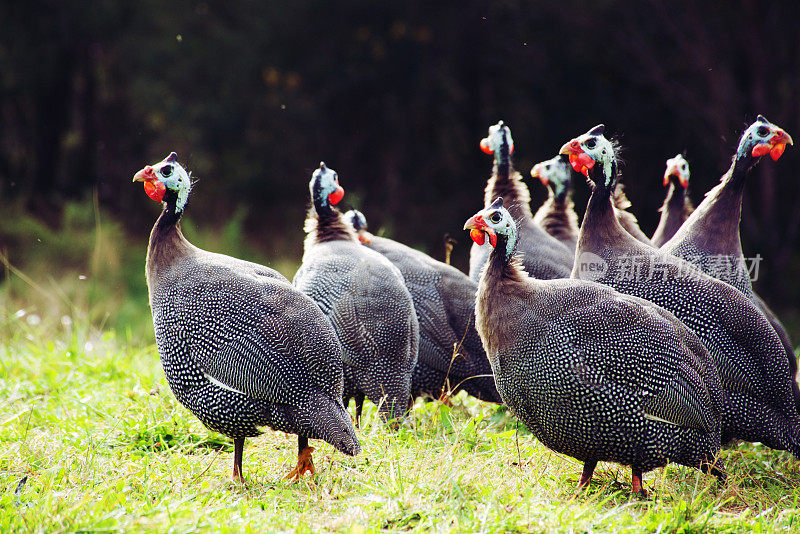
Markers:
point(166, 239)
point(600, 226)
point(507, 183)
point(324, 223)
point(502, 265)
point(719, 214)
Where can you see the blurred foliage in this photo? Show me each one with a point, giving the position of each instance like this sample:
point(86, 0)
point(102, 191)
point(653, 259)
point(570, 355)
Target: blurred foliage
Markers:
point(393, 95)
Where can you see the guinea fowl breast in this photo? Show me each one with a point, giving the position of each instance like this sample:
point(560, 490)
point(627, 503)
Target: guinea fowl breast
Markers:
point(593, 373)
point(543, 256)
point(748, 354)
point(364, 297)
point(240, 347)
point(451, 356)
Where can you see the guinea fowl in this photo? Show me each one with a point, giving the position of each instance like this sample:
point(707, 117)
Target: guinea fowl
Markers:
point(557, 214)
point(544, 256)
point(677, 205)
point(364, 296)
point(710, 236)
point(593, 373)
point(451, 356)
point(749, 356)
point(241, 348)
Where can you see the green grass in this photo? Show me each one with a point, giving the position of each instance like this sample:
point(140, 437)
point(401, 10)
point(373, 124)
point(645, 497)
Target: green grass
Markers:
point(89, 424)
point(88, 418)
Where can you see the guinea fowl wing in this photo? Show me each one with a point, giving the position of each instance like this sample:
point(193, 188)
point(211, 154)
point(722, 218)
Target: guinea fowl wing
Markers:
point(264, 344)
point(623, 345)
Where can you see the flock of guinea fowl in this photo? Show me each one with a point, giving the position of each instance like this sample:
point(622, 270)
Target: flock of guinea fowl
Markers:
point(608, 345)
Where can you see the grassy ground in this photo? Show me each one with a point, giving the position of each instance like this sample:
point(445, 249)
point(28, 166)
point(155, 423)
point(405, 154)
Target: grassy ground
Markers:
point(91, 439)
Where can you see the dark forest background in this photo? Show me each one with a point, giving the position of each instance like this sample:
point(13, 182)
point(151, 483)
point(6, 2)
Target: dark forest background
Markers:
point(395, 96)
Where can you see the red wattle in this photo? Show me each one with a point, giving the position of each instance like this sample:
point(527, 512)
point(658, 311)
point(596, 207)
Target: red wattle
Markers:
point(485, 146)
point(493, 239)
point(155, 189)
point(478, 236)
point(760, 150)
point(336, 196)
point(573, 160)
point(777, 151)
point(586, 160)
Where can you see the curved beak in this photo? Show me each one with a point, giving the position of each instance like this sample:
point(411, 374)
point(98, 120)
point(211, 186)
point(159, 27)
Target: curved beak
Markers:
point(145, 175)
point(571, 148)
point(536, 172)
point(778, 143)
point(479, 229)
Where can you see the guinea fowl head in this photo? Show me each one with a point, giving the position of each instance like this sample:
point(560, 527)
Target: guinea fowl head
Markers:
point(589, 149)
point(677, 169)
point(357, 220)
point(496, 222)
point(325, 188)
point(166, 181)
point(762, 138)
point(498, 142)
point(554, 173)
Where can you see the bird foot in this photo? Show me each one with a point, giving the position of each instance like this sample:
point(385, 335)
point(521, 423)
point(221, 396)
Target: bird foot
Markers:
point(237, 478)
point(637, 488)
point(304, 465)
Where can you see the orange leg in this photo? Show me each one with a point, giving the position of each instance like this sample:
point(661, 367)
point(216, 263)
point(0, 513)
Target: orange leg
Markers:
point(238, 448)
point(586, 475)
point(304, 462)
point(636, 482)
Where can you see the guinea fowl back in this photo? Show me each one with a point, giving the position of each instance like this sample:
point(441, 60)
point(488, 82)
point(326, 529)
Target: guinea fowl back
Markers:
point(365, 299)
point(444, 300)
point(748, 354)
point(593, 373)
point(543, 256)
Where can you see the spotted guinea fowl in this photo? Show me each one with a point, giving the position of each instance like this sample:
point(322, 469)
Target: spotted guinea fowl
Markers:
point(710, 236)
point(451, 356)
point(593, 373)
point(749, 356)
point(241, 348)
point(557, 214)
point(364, 296)
point(544, 256)
point(677, 205)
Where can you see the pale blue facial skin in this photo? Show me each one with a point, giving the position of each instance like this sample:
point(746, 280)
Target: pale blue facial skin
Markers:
point(760, 132)
point(174, 177)
point(501, 221)
point(601, 151)
point(679, 164)
point(324, 181)
point(557, 173)
point(495, 138)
